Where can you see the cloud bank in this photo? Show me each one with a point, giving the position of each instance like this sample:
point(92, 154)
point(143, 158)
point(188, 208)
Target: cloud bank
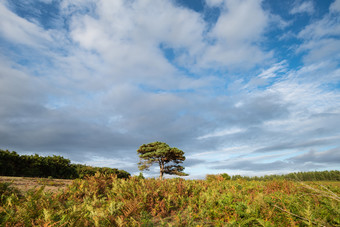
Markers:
point(240, 91)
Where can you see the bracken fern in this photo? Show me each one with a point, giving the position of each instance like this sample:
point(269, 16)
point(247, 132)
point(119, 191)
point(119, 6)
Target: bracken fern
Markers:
point(104, 200)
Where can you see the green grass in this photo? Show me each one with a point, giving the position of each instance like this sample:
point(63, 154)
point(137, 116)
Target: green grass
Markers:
point(108, 201)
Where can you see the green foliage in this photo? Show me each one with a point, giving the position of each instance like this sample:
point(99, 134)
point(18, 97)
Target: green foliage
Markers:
point(13, 164)
point(168, 158)
point(212, 177)
point(141, 176)
point(226, 176)
point(83, 171)
point(6, 191)
point(104, 200)
point(333, 175)
point(223, 176)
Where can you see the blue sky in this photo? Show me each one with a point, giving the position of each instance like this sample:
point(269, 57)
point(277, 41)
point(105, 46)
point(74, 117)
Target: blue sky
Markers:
point(244, 87)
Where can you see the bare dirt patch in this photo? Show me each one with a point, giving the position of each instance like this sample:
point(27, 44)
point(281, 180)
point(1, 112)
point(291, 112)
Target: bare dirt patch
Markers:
point(26, 183)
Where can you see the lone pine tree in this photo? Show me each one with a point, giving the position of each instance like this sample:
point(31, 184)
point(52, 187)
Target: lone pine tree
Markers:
point(168, 158)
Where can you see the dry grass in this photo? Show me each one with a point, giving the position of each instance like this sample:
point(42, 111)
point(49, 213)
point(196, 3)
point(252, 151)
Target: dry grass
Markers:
point(103, 200)
point(26, 183)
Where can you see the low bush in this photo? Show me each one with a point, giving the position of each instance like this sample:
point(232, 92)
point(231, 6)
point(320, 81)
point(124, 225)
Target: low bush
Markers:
point(104, 200)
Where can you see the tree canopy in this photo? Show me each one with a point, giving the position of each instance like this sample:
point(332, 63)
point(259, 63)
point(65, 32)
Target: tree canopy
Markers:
point(168, 158)
point(13, 164)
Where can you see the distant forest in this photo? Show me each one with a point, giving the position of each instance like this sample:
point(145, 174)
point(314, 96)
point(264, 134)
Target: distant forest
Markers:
point(13, 164)
point(333, 175)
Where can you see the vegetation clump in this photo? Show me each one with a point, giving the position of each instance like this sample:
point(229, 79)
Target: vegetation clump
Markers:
point(168, 158)
point(332, 175)
point(104, 200)
point(13, 164)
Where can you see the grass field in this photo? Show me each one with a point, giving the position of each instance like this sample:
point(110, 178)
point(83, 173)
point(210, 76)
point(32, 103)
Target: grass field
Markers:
point(26, 183)
point(108, 201)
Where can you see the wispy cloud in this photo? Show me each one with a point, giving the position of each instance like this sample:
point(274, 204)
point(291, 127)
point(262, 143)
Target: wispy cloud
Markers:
point(320, 37)
point(21, 31)
point(303, 7)
point(108, 76)
point(222, 133)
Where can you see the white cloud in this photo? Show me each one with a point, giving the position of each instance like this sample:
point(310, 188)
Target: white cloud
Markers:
point(305, 95)
point(321, 49)
point(335, 7)
point(237, 33)
point(19, 30)
point(313, 109)
point(304, 7)
point(224, 132)
point(319, 38)
point(241, 21)
point(47, 1)
point(126, 34)
point(105, 85)
point(267, 76)
point(214, 3)
point(274, 70)
point(145, 25)
point(323, 28)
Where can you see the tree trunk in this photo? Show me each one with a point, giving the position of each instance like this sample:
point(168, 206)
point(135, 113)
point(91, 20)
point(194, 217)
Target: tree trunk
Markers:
point(161, 171)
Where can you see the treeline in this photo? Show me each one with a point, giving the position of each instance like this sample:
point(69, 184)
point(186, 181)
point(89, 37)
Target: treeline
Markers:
point(333, 175)
point(13, 164)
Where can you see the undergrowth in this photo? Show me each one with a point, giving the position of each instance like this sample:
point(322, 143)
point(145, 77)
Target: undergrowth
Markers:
point(107, 201)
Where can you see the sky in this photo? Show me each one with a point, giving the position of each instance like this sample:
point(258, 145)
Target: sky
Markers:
point(245, 87)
